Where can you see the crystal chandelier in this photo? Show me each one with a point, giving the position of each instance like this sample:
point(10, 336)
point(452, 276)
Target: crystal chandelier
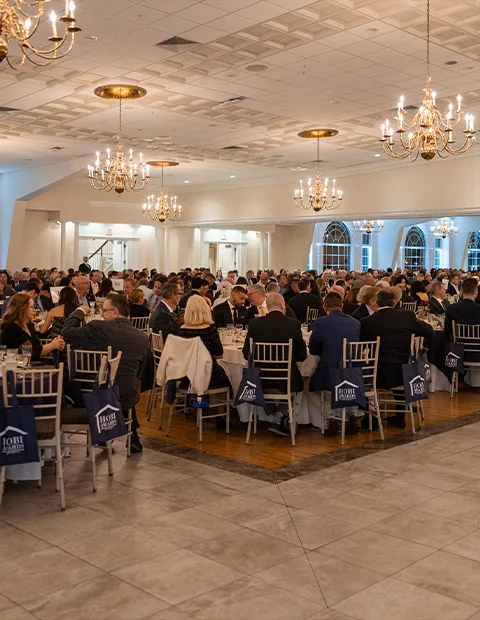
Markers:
point(119, 174)
point(317, 195)
point(444, 228)
point(429, 133)
point(19, 22)
point(368, 226)
point(162, 207)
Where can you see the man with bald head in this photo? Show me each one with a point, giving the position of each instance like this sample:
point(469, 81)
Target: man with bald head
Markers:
point(276, 327)
point(82, 287)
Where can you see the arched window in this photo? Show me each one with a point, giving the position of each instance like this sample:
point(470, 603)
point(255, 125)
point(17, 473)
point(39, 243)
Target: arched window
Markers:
point(474, 251)
point(336, 250)
point(415, 247)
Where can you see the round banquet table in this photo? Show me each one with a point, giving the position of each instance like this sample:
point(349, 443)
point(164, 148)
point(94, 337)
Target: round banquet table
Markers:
point(308, 404)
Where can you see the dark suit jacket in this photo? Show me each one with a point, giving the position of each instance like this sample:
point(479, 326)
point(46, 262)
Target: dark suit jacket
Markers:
point(84, 268)
point(164, 321)
point(395, 331)
point(185, 298)
point(466, 311)
point(326, 340)
point(301, 302)
point(122, 336)
point(349, 307)
point(436, 307)
point(276, 327)
point(451, 290)
point(361, 312)
point(223, 316)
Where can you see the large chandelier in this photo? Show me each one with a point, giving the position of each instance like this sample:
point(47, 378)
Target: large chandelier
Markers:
point(368, 226)
point(444, 228)
point(119, 173)
point(19, 22)
point(317, 195)
point(162, 207)
point(429, 133)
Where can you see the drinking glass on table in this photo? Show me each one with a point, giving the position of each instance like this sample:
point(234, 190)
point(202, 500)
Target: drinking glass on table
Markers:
point(92, 306)
point(27, 353)
point(11, 355)
point(3, 352)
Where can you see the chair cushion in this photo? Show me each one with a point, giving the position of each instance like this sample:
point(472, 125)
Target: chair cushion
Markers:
point(74, 416)
point(45, 429)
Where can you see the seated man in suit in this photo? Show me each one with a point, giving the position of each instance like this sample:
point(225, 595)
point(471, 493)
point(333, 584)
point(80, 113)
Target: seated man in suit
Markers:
point(232, 311)
point(367, 296)
point(395, 328)
point(276, 327)
point(164, 319)
point(273, 287)
point(305, 299)
point(438, 303)
point(466, 311)
point(326, 341)
point(257, 298)
point(454, 285)
point(199, 287)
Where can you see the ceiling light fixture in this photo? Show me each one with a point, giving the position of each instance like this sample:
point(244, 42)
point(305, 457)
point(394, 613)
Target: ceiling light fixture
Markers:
point(186, 181)
point(429, 133)
point(162, 208)
point(368, 226)
point(20, 20)
point(319, 197)
point(256, 68)
point(444, 228)
point(232, 176)
point(119, 174)
point(377, 154)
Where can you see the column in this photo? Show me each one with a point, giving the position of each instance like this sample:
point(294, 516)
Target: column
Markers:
point(263, 250)
point(63, 246)
point(76, 258)
point(269, 250)
point(166, 249)
point(157, 255)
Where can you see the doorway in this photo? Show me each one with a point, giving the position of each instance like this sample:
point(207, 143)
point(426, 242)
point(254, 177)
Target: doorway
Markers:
point(227, 257)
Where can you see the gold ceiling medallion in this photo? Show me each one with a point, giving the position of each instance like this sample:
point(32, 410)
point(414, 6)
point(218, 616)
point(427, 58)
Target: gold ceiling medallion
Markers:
point(317, 195)
point(119, 174)
point(19, 22)
point(162, 207)
point(429, 133)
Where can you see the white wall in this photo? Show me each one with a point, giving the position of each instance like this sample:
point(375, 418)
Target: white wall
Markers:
point(40, 241)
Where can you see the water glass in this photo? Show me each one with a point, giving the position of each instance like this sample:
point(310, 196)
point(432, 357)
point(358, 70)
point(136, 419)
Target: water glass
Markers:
point(3, 352)
point(27, 354)
point(11, 355)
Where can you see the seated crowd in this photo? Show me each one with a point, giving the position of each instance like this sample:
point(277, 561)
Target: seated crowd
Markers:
point(271, 306)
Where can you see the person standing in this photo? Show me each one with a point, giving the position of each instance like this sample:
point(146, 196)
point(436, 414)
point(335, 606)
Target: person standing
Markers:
point(85, 267)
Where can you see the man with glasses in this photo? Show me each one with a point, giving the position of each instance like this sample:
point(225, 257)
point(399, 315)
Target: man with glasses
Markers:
point(117, 332)
point(164, 318)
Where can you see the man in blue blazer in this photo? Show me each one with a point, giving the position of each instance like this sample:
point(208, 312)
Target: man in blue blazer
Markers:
point(326, 341)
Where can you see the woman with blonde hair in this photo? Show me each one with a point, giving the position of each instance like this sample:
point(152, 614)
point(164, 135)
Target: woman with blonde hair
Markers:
point(198, 322)
point(17, 328)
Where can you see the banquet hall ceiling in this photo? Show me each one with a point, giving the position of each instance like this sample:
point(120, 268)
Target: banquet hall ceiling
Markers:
point(329, 63)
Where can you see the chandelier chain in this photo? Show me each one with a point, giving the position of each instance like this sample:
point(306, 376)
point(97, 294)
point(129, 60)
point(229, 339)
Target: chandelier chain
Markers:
point(428, 40)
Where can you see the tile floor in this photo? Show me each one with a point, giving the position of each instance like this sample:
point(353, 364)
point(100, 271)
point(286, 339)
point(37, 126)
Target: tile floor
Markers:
point(391, 536)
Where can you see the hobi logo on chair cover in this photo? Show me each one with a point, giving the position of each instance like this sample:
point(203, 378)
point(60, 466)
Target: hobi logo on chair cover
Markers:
point(451, 360)
point(249, 392)
point(12, 441)
point(417, 386)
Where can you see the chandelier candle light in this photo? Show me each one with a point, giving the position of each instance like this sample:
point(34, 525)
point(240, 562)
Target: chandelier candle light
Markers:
point(368, 226)
point(162, 207)
point(429, 133)
point(317, 195)
point(118, 173)
point(19, 22)
point(444, 228)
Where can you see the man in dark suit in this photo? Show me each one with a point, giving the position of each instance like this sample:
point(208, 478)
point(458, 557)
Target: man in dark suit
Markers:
point(250, 277)
point(199, 287)
point(367, 296)
point(454, 285)
point(438, 304)
point(466, 311)
point(292, 289)
point(163, 319)
point(395, 328)
point(257, 297)
point(115, 331)
point(85, 266)
point(276, 327)
point(232, 311)
point(305, 299)
point(326, 340)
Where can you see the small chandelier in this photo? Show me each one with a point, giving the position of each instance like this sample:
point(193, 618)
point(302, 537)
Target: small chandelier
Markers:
point(368, 226)
point(319, 196)
point(444, 228)
point(119, 174)
point(429, 133)
point(162, 207)
point(20, 20)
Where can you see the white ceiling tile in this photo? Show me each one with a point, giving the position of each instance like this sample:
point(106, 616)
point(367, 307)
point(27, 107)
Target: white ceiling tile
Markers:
point(261, 11)
point(230, 5)
point(232, 23)
point(203, 34)
point(201, 13)
point(168, 6)
point(174, 25)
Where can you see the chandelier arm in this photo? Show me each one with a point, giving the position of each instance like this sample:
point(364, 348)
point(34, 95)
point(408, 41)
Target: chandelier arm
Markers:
point(462, 149)
point(52, 52)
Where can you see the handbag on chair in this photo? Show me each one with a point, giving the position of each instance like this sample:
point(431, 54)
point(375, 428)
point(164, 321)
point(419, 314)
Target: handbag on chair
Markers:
point(250, 389)
point(347, 387)
point(414, 382)
point(18, 430)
